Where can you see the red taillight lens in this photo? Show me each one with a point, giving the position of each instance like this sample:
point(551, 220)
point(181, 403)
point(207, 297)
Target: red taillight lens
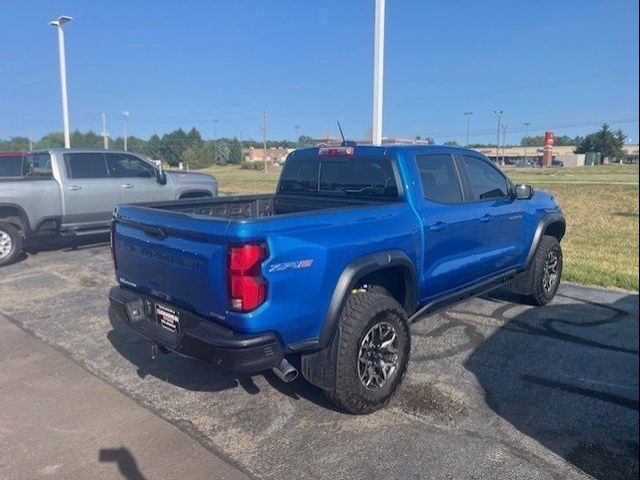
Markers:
point(247, 287)
point(336, 151)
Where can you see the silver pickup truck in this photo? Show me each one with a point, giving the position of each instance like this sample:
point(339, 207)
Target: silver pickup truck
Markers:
point(74, 192)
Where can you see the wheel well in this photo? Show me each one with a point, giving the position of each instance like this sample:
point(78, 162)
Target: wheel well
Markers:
point(12, 216)
point(395, 280)
point(556, 229)
point(195, 194)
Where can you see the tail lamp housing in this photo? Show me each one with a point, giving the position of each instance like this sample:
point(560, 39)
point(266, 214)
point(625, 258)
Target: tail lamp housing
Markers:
point(247, 286)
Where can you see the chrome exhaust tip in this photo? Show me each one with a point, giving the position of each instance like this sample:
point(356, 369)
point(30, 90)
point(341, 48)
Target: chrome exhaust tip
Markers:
point(285, 371)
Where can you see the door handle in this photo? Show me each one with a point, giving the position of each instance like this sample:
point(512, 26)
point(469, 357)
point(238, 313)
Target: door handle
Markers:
point(437, 227)
point(75, 188)
point(128, 185)
point(485, 218)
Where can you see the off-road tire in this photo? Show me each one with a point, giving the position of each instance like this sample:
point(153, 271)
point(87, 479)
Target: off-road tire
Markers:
point(16, 243)
point(361, 312)
point(538, 294)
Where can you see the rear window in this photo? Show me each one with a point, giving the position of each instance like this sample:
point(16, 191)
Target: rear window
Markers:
point(367, 177)
point(11, 166)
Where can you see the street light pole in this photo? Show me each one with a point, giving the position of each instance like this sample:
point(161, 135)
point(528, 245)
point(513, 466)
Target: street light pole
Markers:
point(468, 117)
point(526, 140)
point(378, 73)
point(504, 142)
point(499, 115)
point(63, 76)
point(125, 115)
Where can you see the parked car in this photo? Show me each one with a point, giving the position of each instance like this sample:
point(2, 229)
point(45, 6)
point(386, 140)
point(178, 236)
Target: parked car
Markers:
point(74, 192)
point(356, 243)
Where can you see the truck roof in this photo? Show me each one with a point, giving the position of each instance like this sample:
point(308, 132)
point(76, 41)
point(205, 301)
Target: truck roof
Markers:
point(80, 150)
point(372, 149)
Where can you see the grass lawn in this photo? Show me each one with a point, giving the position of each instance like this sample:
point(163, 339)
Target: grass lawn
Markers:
point(600, 205)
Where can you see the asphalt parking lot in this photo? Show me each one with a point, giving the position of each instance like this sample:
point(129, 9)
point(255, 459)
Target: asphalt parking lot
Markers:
point(495, 389)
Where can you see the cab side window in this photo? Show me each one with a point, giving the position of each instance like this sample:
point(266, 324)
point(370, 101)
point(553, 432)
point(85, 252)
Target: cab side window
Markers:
point(440, 181)
point(122, 165)
point(86, 165)
point(485, 180)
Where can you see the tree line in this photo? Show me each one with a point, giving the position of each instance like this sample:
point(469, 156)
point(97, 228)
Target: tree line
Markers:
point(172, 148)
point(191, 149)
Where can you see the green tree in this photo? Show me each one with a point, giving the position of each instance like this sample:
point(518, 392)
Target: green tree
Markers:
point(451, 143)
point(172, 145)
point(153, 147)
point(304, 141)
point(609, 143)
point(51, 140)
point(198, 156)
point(235, 152)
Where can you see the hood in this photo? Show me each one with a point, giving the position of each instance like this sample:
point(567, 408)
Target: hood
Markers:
point(182, 177)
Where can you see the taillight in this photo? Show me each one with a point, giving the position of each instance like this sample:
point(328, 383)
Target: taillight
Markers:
point(112, 241)
point(336, 151)
point(247, 286)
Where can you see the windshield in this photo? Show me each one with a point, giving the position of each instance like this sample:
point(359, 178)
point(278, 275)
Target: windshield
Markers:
point(349, 176)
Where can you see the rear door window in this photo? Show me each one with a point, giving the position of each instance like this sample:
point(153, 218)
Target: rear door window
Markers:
point(122, 165)
point(11, 166)
point(485, 180)
point(440, 181)
point(86, 165)
point(37, 165)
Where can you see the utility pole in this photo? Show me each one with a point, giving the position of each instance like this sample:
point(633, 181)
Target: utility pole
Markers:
point(264, 140)
point(378, 73)
point(297, 127)
point(105, 134)
point(504, 142)
point(125, 115)
point(498, 114)
point(30, 138)
point(468, 117)
point(526, 140)
point(63, 76)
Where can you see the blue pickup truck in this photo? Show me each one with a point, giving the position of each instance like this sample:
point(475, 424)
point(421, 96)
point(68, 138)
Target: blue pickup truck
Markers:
point(328, 273)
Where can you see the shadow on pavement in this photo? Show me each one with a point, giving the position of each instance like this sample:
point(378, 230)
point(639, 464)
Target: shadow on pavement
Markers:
point(125, 461)
point(196, 375)
point(566, 375)
point(64, 244)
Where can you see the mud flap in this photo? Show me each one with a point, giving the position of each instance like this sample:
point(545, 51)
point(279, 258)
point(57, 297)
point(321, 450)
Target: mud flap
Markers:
point(319, 368)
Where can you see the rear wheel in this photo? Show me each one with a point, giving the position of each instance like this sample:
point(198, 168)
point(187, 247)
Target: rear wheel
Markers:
point(372, 352)
point(10, 243)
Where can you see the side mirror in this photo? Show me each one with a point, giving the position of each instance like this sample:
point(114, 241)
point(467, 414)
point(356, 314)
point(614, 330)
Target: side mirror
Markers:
point(161, 177)
point(523, 192)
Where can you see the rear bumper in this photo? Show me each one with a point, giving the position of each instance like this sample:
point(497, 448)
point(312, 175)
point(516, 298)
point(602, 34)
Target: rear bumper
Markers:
point(197, 337)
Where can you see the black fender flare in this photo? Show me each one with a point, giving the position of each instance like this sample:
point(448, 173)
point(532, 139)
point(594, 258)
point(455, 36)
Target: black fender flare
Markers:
point(22, 215)
point(353, 273)
point(545, 221)
point(188, 194)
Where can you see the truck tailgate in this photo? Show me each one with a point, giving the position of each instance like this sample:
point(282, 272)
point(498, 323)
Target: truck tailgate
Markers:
point(179, 258)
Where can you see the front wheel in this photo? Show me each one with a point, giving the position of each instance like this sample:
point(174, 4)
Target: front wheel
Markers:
point(547, 272)
point(372, 352)
point(10, 244)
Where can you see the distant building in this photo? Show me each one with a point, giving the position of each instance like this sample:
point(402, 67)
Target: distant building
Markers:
point(274, 154)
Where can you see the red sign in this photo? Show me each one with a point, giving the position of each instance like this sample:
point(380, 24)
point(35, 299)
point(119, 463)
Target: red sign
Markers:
point(548, 139)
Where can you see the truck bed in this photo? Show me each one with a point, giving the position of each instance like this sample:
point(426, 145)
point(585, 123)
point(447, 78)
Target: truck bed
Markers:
point(258, 206)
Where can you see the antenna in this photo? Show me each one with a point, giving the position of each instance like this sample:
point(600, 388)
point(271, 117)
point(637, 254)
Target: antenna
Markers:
point(341, 133)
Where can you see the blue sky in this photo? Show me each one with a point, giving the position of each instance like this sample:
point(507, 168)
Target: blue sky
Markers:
point(564, 66)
